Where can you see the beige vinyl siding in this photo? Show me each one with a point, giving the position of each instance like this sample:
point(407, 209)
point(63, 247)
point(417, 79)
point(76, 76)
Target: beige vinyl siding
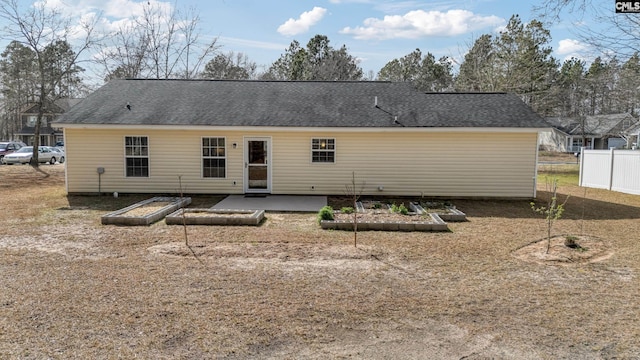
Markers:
point(454, 164)
point(429, 164)
point(172, 154)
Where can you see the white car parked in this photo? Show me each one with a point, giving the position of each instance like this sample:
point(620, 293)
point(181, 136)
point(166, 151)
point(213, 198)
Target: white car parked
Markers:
point(46, 154)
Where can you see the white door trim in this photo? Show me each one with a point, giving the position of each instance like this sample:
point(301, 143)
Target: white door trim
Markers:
point(268, 165)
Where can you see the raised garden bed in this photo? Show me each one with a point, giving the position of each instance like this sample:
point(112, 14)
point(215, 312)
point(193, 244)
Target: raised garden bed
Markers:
point(215, 217)
point(145, 212)
point(445, 211)
point(373, 216)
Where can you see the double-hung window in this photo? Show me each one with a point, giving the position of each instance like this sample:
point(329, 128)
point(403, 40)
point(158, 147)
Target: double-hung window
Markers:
point(323, 150)
point(136, 156)
point(214, 157)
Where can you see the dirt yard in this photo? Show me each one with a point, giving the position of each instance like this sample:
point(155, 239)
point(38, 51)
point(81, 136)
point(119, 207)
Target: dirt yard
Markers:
point(73, 288)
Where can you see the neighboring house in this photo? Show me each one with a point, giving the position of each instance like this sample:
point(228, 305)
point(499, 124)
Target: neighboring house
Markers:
point(633, 136)
point(282, 137)
point(597, 131)
point(556, 137)
point(49, 135)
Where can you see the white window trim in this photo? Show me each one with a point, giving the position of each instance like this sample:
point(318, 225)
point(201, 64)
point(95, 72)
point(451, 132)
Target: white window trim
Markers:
point(148, 157)
point(334, 150)
point(202, 157)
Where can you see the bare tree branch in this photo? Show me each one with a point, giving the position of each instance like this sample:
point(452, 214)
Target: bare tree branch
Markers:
point(39, 27)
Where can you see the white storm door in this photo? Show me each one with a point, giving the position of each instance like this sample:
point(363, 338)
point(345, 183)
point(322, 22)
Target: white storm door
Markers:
point(257, 165)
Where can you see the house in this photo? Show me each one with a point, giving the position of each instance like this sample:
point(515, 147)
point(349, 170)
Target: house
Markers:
point(556, 138)
point(49, 135)
point(633, 136)
point(285, 137)
point(597, 131)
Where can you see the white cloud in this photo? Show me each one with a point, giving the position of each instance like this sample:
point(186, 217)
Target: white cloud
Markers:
point(570, 46)
point(111, 9)
point(297, 26)
point(79, 7)
point(419, 23)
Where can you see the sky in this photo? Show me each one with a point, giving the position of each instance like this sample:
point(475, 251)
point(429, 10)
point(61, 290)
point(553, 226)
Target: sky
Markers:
point(374, 31)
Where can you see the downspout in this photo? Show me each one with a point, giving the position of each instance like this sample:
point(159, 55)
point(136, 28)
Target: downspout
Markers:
point(66, 158)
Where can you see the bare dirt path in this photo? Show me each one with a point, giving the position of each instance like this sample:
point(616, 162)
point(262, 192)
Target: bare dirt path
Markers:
point(73, 288)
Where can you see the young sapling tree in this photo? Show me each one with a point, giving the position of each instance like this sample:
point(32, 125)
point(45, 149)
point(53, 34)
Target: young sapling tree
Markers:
point(553, 210)
point(354, 192)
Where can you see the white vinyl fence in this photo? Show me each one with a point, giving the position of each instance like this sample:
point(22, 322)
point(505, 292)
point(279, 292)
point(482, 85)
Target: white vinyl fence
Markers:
point(617, 170)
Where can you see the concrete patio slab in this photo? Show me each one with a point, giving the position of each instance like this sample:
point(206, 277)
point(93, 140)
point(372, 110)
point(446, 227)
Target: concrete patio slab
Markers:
point(294, 203)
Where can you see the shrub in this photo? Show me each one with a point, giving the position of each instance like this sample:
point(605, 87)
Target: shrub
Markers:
point(399, 209)
point(347, 210)
point(326, 213)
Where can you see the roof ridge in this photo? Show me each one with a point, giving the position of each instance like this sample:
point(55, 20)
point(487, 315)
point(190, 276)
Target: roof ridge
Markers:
point(269, 81)
point(467, 93)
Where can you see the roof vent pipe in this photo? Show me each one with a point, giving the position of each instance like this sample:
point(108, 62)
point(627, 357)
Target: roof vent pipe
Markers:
point(375, 101)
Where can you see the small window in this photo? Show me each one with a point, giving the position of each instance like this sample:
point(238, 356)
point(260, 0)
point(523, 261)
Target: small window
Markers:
point(323, 150)
point(137, 156)
point(214, 157)
point(32, 120)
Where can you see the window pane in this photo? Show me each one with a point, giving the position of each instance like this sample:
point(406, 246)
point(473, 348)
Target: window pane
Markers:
point(323, 156)
point(330, 157)
point(213, 168)
point(323, 144)
point(257, 152)
point(137, 167)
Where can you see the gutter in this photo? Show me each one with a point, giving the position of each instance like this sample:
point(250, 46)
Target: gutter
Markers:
point(406, 129)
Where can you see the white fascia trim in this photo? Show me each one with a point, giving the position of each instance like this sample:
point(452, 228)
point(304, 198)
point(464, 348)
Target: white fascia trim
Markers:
point(269, 129)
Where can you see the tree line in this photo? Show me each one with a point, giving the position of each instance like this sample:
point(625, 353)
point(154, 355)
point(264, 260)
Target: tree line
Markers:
point(42, 64)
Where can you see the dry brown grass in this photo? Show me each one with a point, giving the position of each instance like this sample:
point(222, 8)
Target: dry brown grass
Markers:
point(73, 288)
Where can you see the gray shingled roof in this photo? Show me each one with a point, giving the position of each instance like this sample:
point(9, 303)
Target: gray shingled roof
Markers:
point(295, 103)
point(602, 125)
